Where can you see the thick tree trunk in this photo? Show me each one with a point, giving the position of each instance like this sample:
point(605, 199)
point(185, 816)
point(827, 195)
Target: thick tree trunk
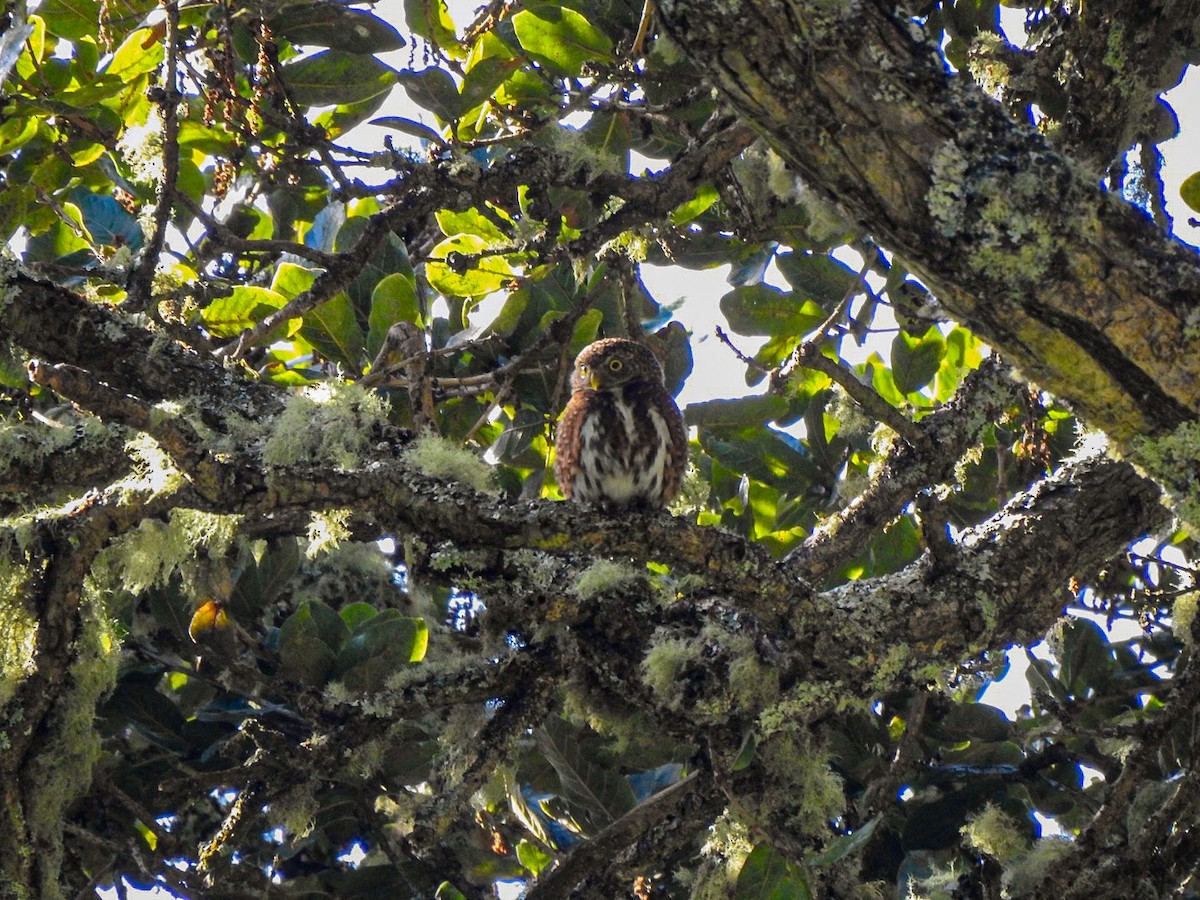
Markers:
point(1018, 241)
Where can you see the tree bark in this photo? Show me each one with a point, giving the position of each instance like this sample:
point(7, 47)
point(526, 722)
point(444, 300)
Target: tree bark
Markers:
point(1018, 241)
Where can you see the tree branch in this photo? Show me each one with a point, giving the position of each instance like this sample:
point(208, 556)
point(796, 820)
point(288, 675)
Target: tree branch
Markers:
point(1079, 289)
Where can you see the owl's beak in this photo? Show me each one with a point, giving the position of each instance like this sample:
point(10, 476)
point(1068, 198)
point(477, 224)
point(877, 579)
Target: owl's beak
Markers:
point(594, 381)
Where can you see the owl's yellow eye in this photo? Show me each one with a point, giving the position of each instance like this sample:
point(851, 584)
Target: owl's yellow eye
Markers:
point(583, 369)
point(615, 365)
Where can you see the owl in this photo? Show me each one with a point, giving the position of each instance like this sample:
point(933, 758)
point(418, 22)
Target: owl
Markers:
point(621, 440)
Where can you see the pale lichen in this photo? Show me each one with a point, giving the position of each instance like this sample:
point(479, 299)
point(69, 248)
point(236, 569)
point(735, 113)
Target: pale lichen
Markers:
point(71, 746)
point(327, 529)
point(148, 555)
point(438, 458)
point(662, 665)
point(326, 424)
point(1183, 616)
point(1171, 460)
point(602, 576)
point(18, 625)
point(1000, 212)
point(1024, 875)
point(994, 832)
point(799, 781)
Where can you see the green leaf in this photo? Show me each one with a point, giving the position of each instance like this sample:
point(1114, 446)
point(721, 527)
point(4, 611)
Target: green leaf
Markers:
point(408, 126)
point(1041, 677)
point(509, 317)
point(775, 459)
point(433, 89)
point(335, 77)
point(308, 641)
point(915, 360)
point(333, 330)
point(262, 580)
point(431, 20)
point(842, 846)
point(746, 753)
point(355, 614)
point(228, 316)
point(318, 620)
point(336, 26)
point(970, 722)
point(593, 787)
point(816, 276)
point(766, 875)
point(291, 280)
point(452, 271)
point(76, 19)
point(738, 411)
point(1190, 191)
point(469, 221)
point(760, 309)
point(140, 704)
point(607, 134)
point(685, 212)
point(305, 659)
point(1086, 657)
point(533, 857)
point(382, 646)
point(138, 54)
point(16, 132)
point(561, 38)
point(484, 78)
point(393, 300)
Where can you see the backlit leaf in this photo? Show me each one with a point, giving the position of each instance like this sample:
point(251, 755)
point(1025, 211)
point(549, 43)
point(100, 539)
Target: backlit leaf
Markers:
point(561, 38)
point(335, 77)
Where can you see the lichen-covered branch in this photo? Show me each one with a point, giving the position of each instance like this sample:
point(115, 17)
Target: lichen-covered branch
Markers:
point(945, 435)
point(1080, 290)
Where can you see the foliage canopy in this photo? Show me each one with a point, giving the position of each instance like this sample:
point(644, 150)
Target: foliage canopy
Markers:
point(286, 605)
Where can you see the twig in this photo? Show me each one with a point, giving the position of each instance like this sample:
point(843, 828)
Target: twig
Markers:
point(178, 438)
point(724, 338)
point(141, 285)
point(866, 397)
point(222, 234)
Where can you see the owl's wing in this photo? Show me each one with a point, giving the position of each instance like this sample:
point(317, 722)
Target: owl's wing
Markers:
point(566, 444)
point(677, 452)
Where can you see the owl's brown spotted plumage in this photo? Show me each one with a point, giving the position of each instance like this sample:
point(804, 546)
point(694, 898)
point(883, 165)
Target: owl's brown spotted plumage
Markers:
point(621, 440)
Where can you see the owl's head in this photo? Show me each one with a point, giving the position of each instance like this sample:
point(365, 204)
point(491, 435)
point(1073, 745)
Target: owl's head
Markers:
point(611, 363)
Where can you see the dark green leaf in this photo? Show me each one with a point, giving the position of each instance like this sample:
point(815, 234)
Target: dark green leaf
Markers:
point(760, 309)
point(915, 360)
point(408, 126)
point(334, 331)
point(335, 77)
point(1086, 658)
point(263, 580)
point(766, 875)
point(318, 620)
point(338, 27)
point(738, 411)
point(433, 89)
point(597, 789)
point(818, 277)
point(846, 844)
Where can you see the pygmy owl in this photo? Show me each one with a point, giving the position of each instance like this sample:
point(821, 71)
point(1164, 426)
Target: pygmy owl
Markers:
point(621, 439)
